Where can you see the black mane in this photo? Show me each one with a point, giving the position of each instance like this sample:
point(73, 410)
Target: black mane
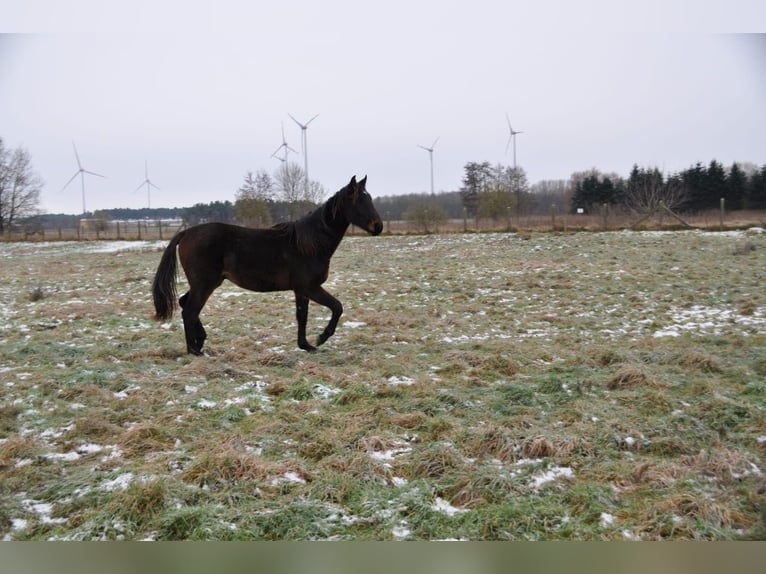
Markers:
point(318, 232)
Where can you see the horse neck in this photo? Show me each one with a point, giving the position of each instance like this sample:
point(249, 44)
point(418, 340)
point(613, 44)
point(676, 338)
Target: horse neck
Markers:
point(334, 221)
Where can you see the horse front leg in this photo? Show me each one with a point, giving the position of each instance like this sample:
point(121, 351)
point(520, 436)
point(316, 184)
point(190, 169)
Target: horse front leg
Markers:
point(322, 297)
point(302, 314)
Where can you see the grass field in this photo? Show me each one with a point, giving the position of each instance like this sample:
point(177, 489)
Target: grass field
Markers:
point(588, 386)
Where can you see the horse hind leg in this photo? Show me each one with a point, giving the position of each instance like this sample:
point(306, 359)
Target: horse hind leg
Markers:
point(195, 333)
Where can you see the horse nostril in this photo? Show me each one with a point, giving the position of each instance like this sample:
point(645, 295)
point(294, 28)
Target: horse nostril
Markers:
point(376, 227)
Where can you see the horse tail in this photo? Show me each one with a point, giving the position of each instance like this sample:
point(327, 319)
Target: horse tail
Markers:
point(164, 286)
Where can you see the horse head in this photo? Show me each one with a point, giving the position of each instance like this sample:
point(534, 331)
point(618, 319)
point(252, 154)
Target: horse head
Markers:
point(359, 208)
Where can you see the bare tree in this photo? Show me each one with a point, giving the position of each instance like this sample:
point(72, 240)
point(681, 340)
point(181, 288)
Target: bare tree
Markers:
point(291, 187)
point(290, 182)
point(647, 192)
point(251, 200)
point(20, 187)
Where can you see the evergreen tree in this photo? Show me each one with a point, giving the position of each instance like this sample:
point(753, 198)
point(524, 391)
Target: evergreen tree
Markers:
point(475, 181)
point(736, 188)
point(694, 180)
point(715, 185)
point(756, 190)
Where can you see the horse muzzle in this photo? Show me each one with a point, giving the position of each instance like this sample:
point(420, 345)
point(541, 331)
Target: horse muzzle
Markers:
point(375, 227)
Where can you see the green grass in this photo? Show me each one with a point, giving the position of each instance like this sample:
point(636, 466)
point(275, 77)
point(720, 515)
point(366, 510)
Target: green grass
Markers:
point(486, 387)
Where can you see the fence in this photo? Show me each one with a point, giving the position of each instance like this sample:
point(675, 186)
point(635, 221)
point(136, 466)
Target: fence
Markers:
point(555, 220)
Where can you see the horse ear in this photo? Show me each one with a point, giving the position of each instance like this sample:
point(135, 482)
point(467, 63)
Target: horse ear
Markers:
point(352, 183)
point(363, 182)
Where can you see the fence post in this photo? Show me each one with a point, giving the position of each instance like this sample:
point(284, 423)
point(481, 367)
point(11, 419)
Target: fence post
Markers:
point(604, 211)
point(159, 226)
point(553, 216)
point(723, 208)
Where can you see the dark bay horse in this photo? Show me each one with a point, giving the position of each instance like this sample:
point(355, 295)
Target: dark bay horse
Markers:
point(289, 256)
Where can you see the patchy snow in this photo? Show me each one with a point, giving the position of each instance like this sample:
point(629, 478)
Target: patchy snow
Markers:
point(401, 531)
point(441, 505)
point(324, 391)
point(354, 324)
point(389, 455)
point(120, 483)
point(206, 404)
point(289, 477)
point(550, 475)
point(606, 519)
point(711, 320)
point(403, 380)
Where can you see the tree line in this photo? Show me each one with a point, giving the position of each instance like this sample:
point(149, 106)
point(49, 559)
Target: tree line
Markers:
point(696, 189)
point(487, 191)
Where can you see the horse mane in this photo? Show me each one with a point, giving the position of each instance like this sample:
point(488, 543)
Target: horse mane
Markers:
point(312, 234)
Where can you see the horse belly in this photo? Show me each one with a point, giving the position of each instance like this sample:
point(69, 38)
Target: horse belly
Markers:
point(254, 281)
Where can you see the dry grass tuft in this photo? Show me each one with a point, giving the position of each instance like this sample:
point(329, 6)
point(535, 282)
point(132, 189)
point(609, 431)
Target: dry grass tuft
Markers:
point(435, 461)
point(700, 362)
point(228, 463)
point(630, 377)
point(663, 474)
point(17, 447)
point(275, 360)
point(494, 441)
point(142, 439)
point(409, 421)
point(9, 418)
point(702, 508)
point(95, 428)
point(723, 464)
point(537, 447)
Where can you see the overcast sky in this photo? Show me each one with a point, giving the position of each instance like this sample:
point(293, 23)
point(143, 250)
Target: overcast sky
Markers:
point(199, 90)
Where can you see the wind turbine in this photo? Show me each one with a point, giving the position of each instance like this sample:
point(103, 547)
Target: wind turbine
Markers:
point(511, 136)
point(81, 171)
point(430, 151)
point(148, 183)
point(304, 148)
point(284, 146)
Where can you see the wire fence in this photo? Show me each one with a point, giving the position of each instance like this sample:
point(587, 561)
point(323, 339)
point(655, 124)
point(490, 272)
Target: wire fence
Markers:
point(89, 230)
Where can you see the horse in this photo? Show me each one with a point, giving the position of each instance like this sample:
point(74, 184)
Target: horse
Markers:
point(288, 256)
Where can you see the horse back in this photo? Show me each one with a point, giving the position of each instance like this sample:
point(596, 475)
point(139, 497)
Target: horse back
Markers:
point(254, 259)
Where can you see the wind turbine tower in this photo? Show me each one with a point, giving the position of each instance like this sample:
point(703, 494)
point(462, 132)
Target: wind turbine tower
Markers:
point(149, 185)
point(304, 148)
point(430, 151)
point(81, 171)
point(284, 146)
point(511, 136)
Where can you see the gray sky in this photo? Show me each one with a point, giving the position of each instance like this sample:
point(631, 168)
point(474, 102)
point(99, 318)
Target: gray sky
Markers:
point(199, 90)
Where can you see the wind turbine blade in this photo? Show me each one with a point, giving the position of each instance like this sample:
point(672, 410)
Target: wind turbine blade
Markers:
point(139, 187)
point(76, 155)
point(311, 120)
point(152, 185)
point(423, 147)
point(291, 149)
point(508, 144)
point(433, 145)
point(276, 150)
point(297, 122)
point(71, 180)
point(93, 173)
point(509, 122)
